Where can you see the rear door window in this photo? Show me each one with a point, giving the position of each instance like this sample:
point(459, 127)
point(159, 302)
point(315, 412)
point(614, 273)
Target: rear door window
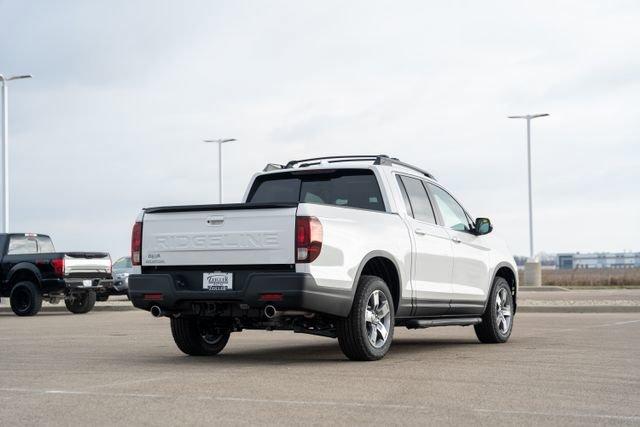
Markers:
point(405, 196)
point(418, 199)
point(355, 188)
point(45, 245)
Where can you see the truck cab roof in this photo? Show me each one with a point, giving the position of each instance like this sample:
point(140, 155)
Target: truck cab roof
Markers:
point(25, 234)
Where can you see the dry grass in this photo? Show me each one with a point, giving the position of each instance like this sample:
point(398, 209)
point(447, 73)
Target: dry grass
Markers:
point(600, 277)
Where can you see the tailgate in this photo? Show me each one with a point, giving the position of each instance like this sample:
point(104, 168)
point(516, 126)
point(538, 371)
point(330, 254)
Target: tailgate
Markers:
point(86, 263)
point(230, 235)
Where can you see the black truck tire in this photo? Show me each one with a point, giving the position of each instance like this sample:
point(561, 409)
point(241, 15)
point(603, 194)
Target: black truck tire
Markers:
point(25, 299)
point(190, 339)
point(81, 304)
point(356, 332)
point(102, 297)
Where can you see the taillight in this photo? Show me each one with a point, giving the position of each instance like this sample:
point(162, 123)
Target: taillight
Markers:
point(136, 243)
point(308, 238)
point(271, 296)
point(153, 297)
point(58, 267)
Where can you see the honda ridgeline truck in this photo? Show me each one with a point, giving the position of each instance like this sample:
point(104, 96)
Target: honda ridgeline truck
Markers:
point(347, 247)
point(31, 270)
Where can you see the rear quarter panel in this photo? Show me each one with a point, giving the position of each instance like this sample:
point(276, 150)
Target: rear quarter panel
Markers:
point(37, 264)
point(352, 235)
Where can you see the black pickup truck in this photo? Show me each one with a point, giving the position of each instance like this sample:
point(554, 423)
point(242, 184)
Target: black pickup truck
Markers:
point(31, 270)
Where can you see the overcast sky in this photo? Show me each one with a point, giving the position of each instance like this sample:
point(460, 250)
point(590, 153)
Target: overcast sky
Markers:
point(124, 92)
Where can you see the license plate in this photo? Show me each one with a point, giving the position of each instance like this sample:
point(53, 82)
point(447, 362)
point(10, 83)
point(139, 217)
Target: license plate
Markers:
point(87, 283)
point(217, 281)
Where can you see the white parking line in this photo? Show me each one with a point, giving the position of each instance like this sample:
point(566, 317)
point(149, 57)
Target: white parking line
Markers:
point(602, 325)
point(563, 414)
point(606, 325)
point(626, 322)
point(420, 408)
point(121, 383)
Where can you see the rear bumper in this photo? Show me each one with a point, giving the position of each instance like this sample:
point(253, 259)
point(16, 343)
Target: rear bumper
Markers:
point(299, 292)
point(60, 286)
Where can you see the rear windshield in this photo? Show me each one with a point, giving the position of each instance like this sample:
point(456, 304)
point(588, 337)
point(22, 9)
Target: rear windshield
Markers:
point(30, 244)
point(355, 188)
point(124, 262)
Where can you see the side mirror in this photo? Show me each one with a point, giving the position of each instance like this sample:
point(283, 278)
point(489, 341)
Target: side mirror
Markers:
point(483, 226)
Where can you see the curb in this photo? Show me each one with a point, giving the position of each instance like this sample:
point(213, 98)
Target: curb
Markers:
point(541, 288)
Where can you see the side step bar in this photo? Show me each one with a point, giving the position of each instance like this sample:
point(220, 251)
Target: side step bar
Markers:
point(428, 323)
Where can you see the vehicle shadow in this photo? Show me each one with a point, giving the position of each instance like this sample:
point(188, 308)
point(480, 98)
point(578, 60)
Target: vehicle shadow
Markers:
point(41, 314)
point(328, 352)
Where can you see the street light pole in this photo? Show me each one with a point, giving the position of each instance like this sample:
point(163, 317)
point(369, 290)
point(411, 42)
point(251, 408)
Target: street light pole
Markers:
point(220, 142)
point(5, 158)
point(5, 148)
point(529, 117)
point(530, 191)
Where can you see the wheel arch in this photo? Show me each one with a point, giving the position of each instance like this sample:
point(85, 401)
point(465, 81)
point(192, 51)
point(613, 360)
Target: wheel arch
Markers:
point(23, 271)
point(384, 265)
point(505, 270)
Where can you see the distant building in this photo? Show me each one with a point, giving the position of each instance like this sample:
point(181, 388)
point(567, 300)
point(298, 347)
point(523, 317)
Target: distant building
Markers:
point(599, 260)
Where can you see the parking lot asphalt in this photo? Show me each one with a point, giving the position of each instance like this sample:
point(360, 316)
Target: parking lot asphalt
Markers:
point(107, 368)
point(538, 301)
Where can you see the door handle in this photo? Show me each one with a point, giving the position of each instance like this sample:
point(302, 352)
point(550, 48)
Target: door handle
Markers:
point(455, 240)
point(420, 231)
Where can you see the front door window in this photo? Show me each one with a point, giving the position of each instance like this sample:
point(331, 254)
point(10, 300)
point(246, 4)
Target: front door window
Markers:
point(453, 215)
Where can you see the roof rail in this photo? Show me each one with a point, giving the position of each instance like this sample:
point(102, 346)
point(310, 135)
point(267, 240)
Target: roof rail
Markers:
point(394, 161)
point(359, 157)
point(271, 167)
point(378, 159)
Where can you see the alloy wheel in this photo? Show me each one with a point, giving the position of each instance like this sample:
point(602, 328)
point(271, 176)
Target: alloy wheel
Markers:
point(211, 339)
point(208, 336)
point(377, 319)
point(503, 311)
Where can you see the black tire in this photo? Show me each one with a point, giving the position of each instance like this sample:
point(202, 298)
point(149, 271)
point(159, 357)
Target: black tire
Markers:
point(25, 299)
point(102, 297)
point(191, 339)
point(491, 330)
point(353, 331)
point(82, 303)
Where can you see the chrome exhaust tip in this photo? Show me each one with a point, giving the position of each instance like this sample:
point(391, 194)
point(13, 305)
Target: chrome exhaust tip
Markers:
point(156, 311)
point(270, 312)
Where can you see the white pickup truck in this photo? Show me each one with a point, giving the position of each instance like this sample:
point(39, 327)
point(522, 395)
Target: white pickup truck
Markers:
point(347, 247)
